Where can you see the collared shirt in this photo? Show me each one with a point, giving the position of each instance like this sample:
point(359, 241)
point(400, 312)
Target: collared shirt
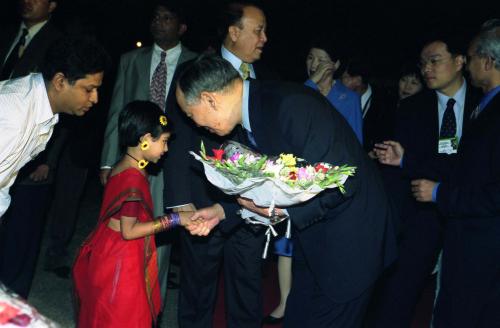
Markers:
point(458, 108)
point(366, 100)
point(26, 123)
point(347, 103)
point(245, 116)
point(172, 58)
point(235, 61)
point(32, 31)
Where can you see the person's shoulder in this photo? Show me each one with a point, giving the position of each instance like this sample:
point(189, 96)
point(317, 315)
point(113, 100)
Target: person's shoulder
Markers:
point(422, 99)
point(187, 53)
point(131, 55)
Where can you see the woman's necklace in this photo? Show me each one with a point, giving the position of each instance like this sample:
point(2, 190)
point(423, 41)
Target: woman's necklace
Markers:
point(141, 163)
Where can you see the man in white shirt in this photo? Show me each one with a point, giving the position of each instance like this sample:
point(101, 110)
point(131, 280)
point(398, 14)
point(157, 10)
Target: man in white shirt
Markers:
point(68, 83)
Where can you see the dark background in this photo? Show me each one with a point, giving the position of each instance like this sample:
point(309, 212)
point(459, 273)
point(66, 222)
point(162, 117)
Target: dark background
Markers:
point(386, 33)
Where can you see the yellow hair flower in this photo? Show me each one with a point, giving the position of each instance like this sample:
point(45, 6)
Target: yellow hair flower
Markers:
point(288, 159)
point(163, 120)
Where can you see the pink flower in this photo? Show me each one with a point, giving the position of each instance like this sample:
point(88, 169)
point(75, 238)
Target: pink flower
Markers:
point(235, 157)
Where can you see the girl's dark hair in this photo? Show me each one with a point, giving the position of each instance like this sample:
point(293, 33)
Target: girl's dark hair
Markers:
point(137, 119)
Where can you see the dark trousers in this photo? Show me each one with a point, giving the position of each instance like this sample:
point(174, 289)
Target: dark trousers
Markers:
point(200, 263)
point(69, 188)
point(398, 291)
point(20, 236)
point(308, 306)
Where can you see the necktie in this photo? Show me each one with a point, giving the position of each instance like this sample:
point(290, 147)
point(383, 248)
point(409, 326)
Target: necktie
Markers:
point(245, 70)
point(251, 138)
point(449, 123)
point(14, 57)
point(158, 85)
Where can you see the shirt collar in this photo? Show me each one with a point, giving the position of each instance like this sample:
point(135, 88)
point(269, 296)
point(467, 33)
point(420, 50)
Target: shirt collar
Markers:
point(366, 96)
point(32, 31)
point(488, 96)
point(245, 115)
point(459, 96)
point(170, 52)
point(235, 61)
point(45, 115)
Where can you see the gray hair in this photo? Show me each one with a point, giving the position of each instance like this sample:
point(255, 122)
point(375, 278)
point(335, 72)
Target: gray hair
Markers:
point(209, 73)
point(488, 45)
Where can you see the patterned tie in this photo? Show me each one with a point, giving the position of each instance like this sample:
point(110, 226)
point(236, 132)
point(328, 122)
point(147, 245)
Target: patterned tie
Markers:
point(245, 70)
point(449, 123)
point(14, 57)
point(158, 86)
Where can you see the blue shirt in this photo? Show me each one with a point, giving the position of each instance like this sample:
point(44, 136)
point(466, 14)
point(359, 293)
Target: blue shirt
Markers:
point(347, 103)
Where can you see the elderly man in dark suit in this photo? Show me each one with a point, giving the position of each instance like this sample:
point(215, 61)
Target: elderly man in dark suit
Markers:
point(342, 241)
point(236, 245)
point(470, 198)
point(147, 74)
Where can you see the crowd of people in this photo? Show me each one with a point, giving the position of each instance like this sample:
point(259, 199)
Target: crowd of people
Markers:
point(425, 198)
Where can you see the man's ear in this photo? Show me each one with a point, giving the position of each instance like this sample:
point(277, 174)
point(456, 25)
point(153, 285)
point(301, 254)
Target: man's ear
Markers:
point(52, 6)
point(209, 99)
point(461, 60)
point(234, 32)
point(489, 63)
point(182, 29)
point(336, 64)
point(58, 81)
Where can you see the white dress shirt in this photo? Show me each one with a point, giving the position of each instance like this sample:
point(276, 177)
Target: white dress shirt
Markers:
point(26, 124)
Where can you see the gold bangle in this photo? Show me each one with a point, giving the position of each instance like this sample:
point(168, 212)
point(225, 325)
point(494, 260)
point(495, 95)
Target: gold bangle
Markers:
point(157, 226)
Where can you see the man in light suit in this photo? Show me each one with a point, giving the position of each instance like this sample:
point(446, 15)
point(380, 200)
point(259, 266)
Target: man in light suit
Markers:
point(135, 78)
point(342, 242)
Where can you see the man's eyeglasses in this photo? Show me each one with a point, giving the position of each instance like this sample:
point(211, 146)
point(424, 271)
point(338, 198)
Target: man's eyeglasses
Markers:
point(433, 62)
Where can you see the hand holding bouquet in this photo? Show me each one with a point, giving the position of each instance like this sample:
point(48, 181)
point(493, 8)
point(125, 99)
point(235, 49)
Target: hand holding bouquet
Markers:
point(279, 181)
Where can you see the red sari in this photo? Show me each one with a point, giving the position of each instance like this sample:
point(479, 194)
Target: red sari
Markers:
point(116, 280)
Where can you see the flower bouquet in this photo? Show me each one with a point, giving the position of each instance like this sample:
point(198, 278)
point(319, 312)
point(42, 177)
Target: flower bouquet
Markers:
point(16, 312)
point(279, 181)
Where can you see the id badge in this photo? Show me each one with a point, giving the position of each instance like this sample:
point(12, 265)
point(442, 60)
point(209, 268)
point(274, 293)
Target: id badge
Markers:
point(448, 145)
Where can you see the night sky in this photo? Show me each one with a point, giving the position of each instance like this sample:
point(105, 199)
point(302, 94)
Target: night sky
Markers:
point(387, 34)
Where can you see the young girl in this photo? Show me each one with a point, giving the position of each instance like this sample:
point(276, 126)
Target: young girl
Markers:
point(115, 273)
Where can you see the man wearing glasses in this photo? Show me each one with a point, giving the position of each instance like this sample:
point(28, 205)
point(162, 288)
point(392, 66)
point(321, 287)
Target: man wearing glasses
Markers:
point(427, 136)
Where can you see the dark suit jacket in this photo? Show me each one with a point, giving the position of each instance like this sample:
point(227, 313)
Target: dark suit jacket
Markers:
point(471, 201)
point(347, 238)
point(185, 180)
point(34, 53)
point(417, 129)
point(377, 123)
point(418, 132)
point(30, 62)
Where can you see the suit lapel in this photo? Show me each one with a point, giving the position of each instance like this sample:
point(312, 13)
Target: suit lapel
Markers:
point(142, 68)
point(255, 113)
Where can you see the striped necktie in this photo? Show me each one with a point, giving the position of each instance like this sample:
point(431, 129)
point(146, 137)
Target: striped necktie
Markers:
point(245, 70)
